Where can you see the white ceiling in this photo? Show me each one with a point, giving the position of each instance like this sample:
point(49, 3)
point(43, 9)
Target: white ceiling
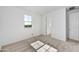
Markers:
point(41, 9)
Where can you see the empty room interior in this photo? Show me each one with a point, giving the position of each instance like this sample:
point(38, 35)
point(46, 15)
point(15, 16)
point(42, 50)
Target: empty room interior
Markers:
point(39, 29)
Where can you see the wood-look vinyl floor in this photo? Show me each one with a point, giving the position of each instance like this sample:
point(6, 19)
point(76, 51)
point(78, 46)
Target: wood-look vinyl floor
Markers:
point(24, 45)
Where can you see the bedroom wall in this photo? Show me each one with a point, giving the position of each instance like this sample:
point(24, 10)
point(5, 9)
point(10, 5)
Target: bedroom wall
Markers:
point(56, 24)
point(43, 25)
point(46, 29)
point(13, 25)
point(0, 27)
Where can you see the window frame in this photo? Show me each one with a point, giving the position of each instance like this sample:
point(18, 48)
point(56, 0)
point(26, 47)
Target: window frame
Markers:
point(27, 20)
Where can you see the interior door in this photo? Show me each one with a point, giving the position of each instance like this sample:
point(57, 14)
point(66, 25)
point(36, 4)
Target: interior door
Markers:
point(74, 25)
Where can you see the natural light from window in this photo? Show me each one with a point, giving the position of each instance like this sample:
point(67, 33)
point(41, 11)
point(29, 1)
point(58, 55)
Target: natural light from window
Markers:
point(27, 21)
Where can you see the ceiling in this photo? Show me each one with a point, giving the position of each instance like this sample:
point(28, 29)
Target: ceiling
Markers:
point(41, 9)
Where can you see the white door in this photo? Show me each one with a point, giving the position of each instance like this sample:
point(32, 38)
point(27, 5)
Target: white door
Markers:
point(74, 25)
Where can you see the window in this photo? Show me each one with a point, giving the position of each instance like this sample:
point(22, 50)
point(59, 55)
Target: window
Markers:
point(27, 21)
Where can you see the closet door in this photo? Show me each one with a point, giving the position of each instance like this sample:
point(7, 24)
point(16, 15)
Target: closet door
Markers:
point(74, 25)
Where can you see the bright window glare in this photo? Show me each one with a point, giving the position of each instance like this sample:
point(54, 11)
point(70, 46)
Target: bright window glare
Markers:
point(27, 23)
point(27, 20)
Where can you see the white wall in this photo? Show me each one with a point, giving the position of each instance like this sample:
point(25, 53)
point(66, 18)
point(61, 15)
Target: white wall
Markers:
point(56, 24)
point(43, 25)
point(0, 27)
point(13, 25)
point(46, 24)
